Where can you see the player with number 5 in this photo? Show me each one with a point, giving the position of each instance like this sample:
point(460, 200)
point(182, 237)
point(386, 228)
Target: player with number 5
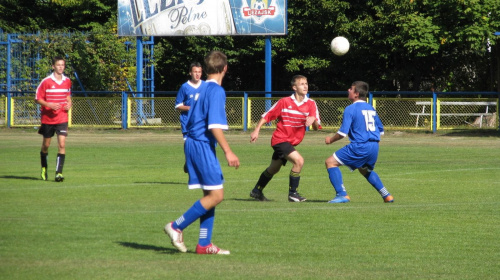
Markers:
point(363, 126)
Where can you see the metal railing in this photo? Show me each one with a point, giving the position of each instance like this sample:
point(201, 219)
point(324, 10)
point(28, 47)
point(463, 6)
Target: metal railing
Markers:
point(398, 110)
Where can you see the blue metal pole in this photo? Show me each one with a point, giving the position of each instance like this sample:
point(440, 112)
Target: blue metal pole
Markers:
point(268, 72)
point(245, 111)
point(9, 69)
point(9, 61)
point(434, 112)
point(124, 110)
point(139, 87)
point(268, 66)
point(152, 76)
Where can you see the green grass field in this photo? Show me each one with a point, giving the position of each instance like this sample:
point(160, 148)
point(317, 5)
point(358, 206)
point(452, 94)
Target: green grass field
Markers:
point(105, 221)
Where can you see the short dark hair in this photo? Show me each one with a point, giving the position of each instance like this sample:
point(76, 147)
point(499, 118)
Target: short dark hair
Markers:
point(56, 59)
point(295, 78)
point(194, 64)
point(215, 61)
point(361, 88)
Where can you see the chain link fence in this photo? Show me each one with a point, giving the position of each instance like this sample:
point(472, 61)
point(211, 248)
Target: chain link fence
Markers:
point(126, 111)
point(3, 111)
point(96, 112)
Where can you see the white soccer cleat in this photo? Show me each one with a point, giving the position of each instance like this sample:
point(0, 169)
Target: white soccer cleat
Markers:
point(176, 237)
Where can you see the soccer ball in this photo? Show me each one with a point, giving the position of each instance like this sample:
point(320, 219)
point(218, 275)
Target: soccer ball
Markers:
point(339, 45)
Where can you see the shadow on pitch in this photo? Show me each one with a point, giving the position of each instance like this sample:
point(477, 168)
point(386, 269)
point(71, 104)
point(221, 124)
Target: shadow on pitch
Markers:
point(153, 248)
point(20, 177)
point(272, 200)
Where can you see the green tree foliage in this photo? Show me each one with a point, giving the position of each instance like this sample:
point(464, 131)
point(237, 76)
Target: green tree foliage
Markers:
point(34, 15)
point(99, 57)
point(395, 44)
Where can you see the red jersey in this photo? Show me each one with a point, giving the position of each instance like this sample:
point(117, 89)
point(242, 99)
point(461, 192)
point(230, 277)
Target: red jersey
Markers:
point(291, 116)
point(54, 91)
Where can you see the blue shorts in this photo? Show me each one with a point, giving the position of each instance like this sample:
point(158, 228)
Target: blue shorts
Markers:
point(203, 167)
point(357, 155)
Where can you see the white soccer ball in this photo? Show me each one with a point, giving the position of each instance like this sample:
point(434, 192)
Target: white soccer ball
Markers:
point(339, 45)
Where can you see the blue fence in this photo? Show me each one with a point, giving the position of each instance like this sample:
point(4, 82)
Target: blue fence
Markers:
point(430, 111)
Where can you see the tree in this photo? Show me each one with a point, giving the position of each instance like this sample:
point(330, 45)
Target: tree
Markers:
point(395, 44)
point(29, 16)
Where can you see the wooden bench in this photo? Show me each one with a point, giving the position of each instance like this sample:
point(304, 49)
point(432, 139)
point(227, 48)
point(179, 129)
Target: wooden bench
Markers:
point(443, 103)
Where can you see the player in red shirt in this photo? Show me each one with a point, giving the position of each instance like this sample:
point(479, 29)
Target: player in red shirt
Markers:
point(293, 115)
point(54, 96)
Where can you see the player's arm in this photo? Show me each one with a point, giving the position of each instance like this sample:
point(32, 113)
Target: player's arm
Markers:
point(255, 134)
point(379, 124)
point(183, 108)
point(313, 118)
point(315, 125)
point(334, 138)
point(179, 100)
point(232, 159)
point(53, 106)
point(312, 121)
point(68, 104)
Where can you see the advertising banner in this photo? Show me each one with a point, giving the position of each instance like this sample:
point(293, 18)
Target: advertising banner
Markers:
point(201, 17)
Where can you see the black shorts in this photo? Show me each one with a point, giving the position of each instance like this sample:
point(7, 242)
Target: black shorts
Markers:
point(282, 150)
point(48, 130)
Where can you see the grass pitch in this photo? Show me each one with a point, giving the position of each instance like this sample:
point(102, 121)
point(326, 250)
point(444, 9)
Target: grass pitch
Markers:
point(105, 221)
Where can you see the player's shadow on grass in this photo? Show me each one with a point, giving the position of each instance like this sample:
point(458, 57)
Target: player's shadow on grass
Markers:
point(138, 246)
point(273, 200)
point(20, 177)
point(249, 200)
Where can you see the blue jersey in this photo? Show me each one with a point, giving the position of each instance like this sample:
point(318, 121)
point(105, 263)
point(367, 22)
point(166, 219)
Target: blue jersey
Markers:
point(361, 123)
point(208, 110)
point(184, 98)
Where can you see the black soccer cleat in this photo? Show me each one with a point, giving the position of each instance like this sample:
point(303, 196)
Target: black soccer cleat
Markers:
point(295, 197)
point(59, 177)
point(258, 195)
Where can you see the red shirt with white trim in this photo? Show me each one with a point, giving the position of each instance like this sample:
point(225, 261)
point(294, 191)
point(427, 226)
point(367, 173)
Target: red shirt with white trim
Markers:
point(291, 116)
point(54, 91)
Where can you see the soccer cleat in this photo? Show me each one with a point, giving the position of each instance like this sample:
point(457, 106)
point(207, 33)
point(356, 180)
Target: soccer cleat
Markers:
point(43, 175)
point(340, 199)
point(295, 197)
point(59, 177)
point(176, 237)
point(258, 195)
point(388, 199)
point(210, 249)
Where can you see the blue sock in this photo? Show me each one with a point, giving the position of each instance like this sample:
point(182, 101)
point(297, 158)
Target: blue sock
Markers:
point(191, 215)
point(375, 181)
point(206, 227)
point(336, 179)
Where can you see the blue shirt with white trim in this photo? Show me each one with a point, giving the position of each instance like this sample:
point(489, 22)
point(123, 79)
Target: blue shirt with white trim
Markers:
point(185, 97)
point(361, 123)
point(208, 110)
